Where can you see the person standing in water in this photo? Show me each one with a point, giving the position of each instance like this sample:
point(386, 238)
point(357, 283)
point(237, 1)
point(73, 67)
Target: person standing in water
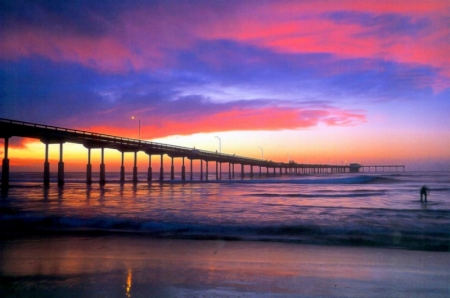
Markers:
point(424, 191)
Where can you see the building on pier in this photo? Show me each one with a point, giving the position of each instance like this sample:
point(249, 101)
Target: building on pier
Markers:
point(354, 167)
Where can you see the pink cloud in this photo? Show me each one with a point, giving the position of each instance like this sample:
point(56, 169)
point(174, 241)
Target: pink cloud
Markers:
point(146, 38)
point(105, 53)
point(270, 119)
point(301, 27)
point(15, 143)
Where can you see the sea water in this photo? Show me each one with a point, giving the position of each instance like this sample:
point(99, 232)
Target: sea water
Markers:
point(362, 209)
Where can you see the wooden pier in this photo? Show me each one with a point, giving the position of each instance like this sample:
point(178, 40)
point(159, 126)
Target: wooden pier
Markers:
point(48, 134)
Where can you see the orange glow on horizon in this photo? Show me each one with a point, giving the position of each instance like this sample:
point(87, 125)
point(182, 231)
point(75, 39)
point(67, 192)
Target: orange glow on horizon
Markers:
point(328, 146)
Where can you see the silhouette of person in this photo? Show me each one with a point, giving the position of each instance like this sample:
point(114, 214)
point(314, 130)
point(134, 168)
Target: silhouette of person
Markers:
point(424, 191)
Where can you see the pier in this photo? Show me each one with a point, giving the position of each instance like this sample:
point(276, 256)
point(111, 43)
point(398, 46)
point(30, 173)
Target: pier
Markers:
point(48, 134)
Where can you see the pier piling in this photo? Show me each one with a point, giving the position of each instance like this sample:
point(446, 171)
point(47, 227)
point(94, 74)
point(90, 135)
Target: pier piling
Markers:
point(102, 167)
point(60, 166)
point(122, 169)
point(89, 168)
point(135, 170)
point(161, 170)
point(183, 171)
point(149, 171)
point(5, 166)
point(46, 168)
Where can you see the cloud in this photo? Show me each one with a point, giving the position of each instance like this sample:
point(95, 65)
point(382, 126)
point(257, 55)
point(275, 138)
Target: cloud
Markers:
point(238, 118)
point(205, 66)
point(71, 96)
point(15, 143)
point(147, 36)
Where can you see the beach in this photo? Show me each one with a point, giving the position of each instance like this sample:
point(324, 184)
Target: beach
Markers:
point(363, 235)
point(139, 266)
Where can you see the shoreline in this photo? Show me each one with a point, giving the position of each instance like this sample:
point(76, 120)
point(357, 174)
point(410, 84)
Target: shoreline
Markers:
point(114, 265)
point(13, 229)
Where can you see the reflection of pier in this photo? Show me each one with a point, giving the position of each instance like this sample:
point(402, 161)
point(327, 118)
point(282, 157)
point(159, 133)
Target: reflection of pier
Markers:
point(57, 135)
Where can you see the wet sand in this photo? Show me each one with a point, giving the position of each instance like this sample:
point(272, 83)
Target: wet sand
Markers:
point(137, 266)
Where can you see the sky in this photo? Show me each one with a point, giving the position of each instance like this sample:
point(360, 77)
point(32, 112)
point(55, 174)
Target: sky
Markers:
point(329, 82)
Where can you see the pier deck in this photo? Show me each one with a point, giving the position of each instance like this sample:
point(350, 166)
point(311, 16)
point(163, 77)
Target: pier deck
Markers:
point(48, 134)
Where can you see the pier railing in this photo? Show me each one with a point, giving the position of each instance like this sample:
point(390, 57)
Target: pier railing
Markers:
point(49, 134)
point(55, 134)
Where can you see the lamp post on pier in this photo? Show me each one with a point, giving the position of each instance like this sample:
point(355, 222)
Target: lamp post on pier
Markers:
point(132, 117)
point(220, 144)
point(262, 153)
point(220, 151)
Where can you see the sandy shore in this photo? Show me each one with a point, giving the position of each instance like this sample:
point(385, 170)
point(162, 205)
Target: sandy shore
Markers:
point(126, 266)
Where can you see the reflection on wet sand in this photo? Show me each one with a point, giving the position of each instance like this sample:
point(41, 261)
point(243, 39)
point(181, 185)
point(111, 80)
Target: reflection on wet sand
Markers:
point(128, 284)
point(100, 265)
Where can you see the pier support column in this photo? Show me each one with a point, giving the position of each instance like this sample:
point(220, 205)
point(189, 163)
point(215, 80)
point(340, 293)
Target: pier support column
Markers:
point(102, 167)
point(207, 171)
point(220, 170)
point(201, 169)
point(89, 168)
point(232, 169)
point(60, 166)
point(242, 171)
point(229, 171)
point(251, 172)
point(149, 171)
point(260, 171)
point(161, 170)
point(172, 170)
point(5, 166)
point(135, 170)
point(46, 168)
point(183, 171)
point(191, 174)
point(217, 170)
point(122, 169)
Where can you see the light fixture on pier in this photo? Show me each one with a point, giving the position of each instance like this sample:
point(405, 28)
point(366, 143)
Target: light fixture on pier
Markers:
point(132, 117)
point(262, 153)
point(220, 144)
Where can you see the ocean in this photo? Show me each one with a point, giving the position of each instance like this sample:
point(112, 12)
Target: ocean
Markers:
point(361, 209)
